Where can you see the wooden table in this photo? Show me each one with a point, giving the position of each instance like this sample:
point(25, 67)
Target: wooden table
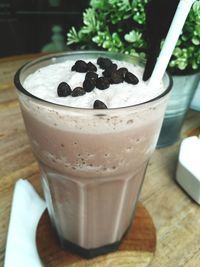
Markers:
point(176, 216)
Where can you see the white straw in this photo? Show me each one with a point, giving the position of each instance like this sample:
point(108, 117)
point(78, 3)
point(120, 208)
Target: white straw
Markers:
point(175, 29)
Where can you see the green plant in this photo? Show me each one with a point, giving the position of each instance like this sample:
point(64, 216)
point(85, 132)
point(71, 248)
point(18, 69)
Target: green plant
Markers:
point(118, 25)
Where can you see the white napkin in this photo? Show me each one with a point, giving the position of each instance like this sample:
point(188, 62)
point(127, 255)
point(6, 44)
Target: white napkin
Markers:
point(27, 208)
point(188, 168)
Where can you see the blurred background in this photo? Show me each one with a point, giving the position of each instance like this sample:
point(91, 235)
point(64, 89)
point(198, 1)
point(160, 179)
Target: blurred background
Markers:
point(28, 26)
point(31, 26)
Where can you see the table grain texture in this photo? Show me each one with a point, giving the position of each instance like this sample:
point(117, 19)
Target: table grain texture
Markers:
point(176, 216)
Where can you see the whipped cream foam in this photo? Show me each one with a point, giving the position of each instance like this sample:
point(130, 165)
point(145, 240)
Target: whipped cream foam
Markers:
point(43, 83)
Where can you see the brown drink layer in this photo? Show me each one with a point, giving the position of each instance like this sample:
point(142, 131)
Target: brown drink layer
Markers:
point(92, 167)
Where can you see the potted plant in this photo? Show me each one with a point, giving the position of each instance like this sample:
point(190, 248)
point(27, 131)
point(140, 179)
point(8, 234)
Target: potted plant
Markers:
point(119, 25)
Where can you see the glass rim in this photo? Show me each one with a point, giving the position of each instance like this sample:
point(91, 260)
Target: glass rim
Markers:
point(21, 89)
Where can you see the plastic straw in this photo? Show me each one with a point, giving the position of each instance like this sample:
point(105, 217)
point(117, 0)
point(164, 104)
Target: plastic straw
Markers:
point(174, 32)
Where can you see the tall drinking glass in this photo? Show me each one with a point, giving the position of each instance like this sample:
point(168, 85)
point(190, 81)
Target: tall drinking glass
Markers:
point(92, 162)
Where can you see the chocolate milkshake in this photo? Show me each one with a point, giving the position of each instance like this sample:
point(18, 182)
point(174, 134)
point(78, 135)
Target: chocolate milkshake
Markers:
point(92, 160)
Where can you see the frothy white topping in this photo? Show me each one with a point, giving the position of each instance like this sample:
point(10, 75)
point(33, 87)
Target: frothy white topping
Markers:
point(44, 82)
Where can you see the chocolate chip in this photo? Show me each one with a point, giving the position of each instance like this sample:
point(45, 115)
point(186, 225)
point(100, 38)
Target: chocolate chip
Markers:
point(91, 66)
point(63, 89)
point(91, 75)
point(104, 63)
point(89, 84)
point(102, 83)
point(116, 77)
point(131, 78)
point(99, 105)
point(108, 71)
point(113, 67)
point(78, 91)
point(122, 71)
point(80, 66)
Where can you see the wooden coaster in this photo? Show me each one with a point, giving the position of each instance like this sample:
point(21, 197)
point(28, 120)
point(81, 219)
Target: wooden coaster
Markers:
point(136, 249)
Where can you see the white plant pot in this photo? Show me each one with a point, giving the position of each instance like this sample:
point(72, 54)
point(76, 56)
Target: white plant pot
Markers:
point(183, 90)
point(196, 99)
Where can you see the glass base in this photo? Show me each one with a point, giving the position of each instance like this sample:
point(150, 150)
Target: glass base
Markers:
point(94, 252)
point(90, 253)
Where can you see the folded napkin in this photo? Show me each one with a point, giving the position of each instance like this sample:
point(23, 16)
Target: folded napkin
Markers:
point(188, 170)
point(27, 208)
